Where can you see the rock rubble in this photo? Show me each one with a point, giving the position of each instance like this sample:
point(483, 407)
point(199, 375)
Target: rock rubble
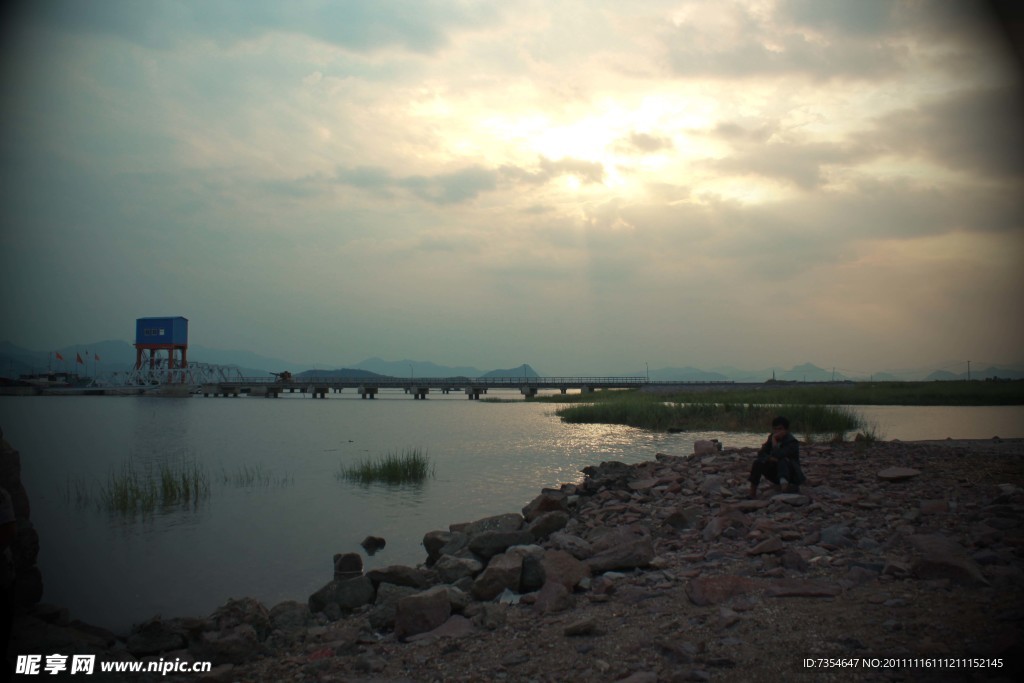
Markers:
point(659, 571)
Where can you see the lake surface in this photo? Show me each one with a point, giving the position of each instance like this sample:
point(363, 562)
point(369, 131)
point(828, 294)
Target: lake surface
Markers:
point(276, 542)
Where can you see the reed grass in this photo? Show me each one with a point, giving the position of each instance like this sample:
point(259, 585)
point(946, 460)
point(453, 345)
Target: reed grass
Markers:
point(652, 412)
point(130, 489)
point(251, 476)
point(410, 466)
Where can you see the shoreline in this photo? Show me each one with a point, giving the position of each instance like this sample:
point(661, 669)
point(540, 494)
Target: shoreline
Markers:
point(686, 537)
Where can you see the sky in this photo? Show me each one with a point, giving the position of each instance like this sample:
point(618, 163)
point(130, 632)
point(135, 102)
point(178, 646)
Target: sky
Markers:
point(585, 186)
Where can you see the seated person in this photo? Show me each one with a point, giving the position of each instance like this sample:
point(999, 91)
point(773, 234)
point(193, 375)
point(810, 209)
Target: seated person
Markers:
point(778, 461)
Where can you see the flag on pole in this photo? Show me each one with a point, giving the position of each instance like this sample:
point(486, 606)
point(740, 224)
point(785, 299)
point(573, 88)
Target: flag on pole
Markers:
point(78, 359)
point(59, 357)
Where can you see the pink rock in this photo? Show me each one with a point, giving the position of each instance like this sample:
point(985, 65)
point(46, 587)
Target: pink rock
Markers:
point(942, 558)
point(711, 590)
point(553, 597)
point(503, 571)
point(801, 588)
point(422, 612)
point(898, 473)
point(771, 545)
point(562, 568)
point(931, 507)
point(455, 627)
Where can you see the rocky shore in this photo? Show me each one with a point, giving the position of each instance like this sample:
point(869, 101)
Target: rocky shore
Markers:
point(659, 571)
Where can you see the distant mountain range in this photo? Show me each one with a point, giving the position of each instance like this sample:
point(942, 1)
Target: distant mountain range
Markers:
point(120, 355)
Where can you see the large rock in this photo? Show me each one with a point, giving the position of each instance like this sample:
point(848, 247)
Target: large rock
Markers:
point(438, 543)
point(684, 518)
point(401, 575)
point(347, 595)
point(705, 447)
point(942, 558)
point(503, 571)
point(508, 522)
point(898, 473)
point(547, 501)
point(290, 616)
point(487, 544)
point(769, 545)
point(836, 536)
point(574, 545)
point(450, 569)
point(233, 646)
point(553, 597)
point(626, 547)
point(717, 525)
point(548, 523)
point(155, 636)
point(422, 612)
point(245, 611)
point(562, 568)
point(348, 565)
point(457, 626)
point(801, 588)
point(28, 589)
point(608, 475)
point(385, 607)
point(711, 590)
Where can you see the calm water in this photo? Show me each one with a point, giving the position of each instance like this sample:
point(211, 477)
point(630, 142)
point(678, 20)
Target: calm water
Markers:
point(276, 543)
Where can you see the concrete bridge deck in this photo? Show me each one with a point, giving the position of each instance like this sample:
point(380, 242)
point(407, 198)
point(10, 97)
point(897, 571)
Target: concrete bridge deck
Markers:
point(418, 387)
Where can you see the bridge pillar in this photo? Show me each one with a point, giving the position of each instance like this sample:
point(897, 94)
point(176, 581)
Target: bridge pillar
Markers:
point(528, 392)
point(320, 392)
point(586, 390)
point(367, 392)
point(565, 390)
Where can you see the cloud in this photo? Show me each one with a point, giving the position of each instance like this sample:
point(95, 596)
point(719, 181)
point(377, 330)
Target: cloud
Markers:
point(974, 130)
point(802, 164)
point(548, 169)
point(735, 41)
point(643, 143)
point(443, 188)
point(459, 186)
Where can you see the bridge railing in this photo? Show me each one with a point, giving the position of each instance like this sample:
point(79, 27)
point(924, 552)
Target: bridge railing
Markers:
point(511, 382)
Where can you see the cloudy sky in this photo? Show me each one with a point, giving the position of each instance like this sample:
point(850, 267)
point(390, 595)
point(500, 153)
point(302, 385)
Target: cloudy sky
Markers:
point(586, 186)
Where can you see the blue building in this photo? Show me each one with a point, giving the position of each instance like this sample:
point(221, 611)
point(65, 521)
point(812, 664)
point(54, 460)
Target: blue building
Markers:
point(154, 336)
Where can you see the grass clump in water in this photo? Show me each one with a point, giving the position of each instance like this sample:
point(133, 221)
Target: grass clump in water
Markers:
point(130, 489)
point(410, 466)
point(251, 476)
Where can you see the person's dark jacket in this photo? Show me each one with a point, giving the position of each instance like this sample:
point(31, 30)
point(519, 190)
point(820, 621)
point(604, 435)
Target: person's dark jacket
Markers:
point(789, 449)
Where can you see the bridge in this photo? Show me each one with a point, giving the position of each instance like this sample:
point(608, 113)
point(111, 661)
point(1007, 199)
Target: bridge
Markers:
point(419, 387)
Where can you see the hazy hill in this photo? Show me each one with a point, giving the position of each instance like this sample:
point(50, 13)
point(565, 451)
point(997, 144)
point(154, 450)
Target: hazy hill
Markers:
point(523, 370)
point(687, 374)
point(414, 368)
point(808, 372)
point(340, 372)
